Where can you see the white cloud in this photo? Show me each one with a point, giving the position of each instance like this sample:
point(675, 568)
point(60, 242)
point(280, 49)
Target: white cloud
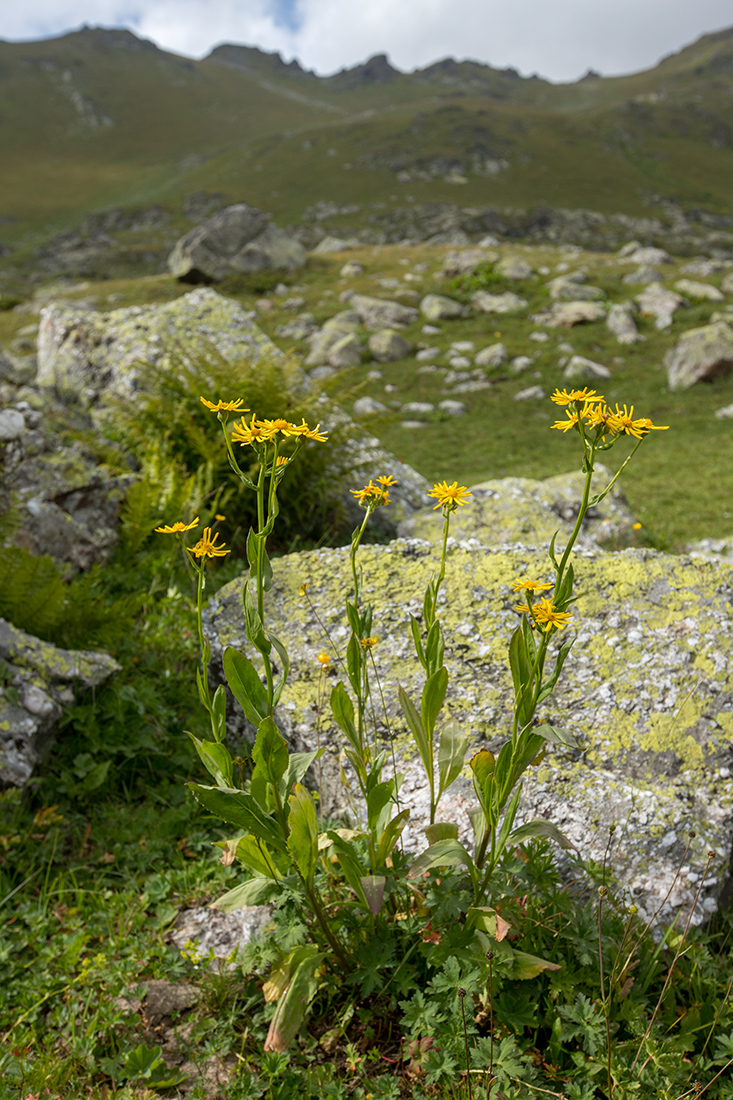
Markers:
point(559, 39)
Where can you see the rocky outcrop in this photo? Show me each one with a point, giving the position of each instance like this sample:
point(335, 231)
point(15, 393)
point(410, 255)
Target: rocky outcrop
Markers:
point(661, 304)
point(388, 346)
point(567, 314)
point(437, 307)
point(236, 240)
point(379, 313)
point(38, 681)
point(91, 357)
point(700, 355)
point(483, 302)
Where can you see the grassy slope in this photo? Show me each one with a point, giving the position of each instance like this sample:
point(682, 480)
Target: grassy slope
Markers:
point(180, 126)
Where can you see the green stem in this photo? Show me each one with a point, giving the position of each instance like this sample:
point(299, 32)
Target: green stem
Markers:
point(355, 542)
point(578, 522)
point(200, 625)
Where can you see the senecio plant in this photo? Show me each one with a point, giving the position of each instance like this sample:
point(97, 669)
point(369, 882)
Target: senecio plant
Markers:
point(353, 882)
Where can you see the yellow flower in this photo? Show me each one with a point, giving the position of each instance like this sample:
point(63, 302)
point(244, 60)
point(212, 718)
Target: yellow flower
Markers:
point(566, 425)
point(304, 588)
point(178, 527)
point(225, 406)
point(206, 546)
point(369, 643)
point(531, 586)
point(372, 495)
point(449, 496)
point(387, 482)
point(597, 416)
point(565, 397)
point(308, 433)
point(636, 526)
point(219, 518)
point(544, 612)
point(623, 423)
point(523, 609)
point(282, 460)
point(323, 658)
point(253, 432)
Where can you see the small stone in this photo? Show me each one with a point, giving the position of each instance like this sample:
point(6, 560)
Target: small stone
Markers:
point(640, 255)
point(436, 307)
point(514, 267)
point(520, 363)
point(532, 393)
point(388, 346)
point(352, 269)
point(483, 302)
point(368, 406)
point(642, 276)
point(427, 353)
point(429, 369)
point(457, 362)
point(620, 322)
point(412, 424)
point(726, 413)
point(699, 290)
point(389, 388)
point(462, 346)
point(701, 354)
point(659, 302)
point(374, 375)
point(417, 409)
point(580, 369)
point(453, 408)
point(540, 337)
point(318, 374)
point(495, 355)
point(164, 999)
point(727, 283)
point(346, 352)
point(12, 425)
point(430, 330)
point(376, 313)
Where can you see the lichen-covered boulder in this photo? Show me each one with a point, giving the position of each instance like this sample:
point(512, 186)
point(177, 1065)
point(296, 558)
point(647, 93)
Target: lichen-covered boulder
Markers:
point(495, 355)
point(39, 680)
point(648, 690)
point(620, 322)
point(465, 261)
point(379, 313)
point(332, 330)
point(572, 288)
point(437, 307)
point(519, 509)
point(705, 291)
point(660, 303)
point(580, 369)
point(388, 346)
point(700, 354)
point(237, 240)
point(90, 357)
point(514, 267)
point(346, 352)
point(567, 314)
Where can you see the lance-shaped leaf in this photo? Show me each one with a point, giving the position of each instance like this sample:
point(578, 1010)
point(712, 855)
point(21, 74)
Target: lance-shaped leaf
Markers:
point(557, 735)
point(434, 648)
point(241, 809)
point(270, 752)
point(256, 857)
point(391, 834)
point(300, 986)
point(441, 830)
point(445, 853)
point(530, 966)
point(416, 727)
point(549, 685)
point(433, 695)
point(255, 891)
point(285, 662)
point(255, 629)
point(538, 827)
point(507, 823)
point(303, 837)
point(216, 760)
point(343, 713)
point(298, 764)
point(350, 864)
point(451, 754)
point(255, 545)
point(245, 684)
point(417, 639)
point(378, 797)
point(219, 714)
point(373, 887)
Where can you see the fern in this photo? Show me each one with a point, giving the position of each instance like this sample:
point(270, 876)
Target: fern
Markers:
point(32, 591)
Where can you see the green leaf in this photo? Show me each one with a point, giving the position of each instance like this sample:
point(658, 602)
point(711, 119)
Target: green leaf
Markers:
point(254, 854)
point(256, 891)
point(298, 764)
point(538, 827)
point(416, 637)
point(434, 648)
point(245, 684)
point(216, 760)
point(379, 797)
point(354, 657)
point(416, 727)
point(557, 735)
point(219, 714)
point(451, 754)
point(255, 629)
point(433, 695)
point(343, 713)
point(241, 809)
point(303, 838)
point(350, 863)
point(270, 752)
point(507, 823)
point(529, 966)
point(565, 590)
point(551, 552)
point(391, 835)
point(441, 830)
point(483, 765)
point(549, 685)
point(446, 853)
point(488, 920)
point(285, 662)
point(301, 986)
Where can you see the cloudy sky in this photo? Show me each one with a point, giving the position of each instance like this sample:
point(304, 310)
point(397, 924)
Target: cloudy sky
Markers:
point(559, 39)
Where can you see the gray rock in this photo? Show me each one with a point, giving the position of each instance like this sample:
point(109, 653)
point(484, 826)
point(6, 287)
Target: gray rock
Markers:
point(580, 369)
point(351, 269)
point(648, 256)
point(417, 409)
point(298, 329)
point(425, 354)
point(726, 413)
point(572, 288)
point(452, 408)
point(165, 999)
point(332, 331)
point(346, 352)
point(642, 276)
point(620, 322)
point(706, 291)
point(495, 355)
point(727, 283)
point(567, 314)
point(661, 304)
point(318, 374)
point(643, 619)
point(12, 425)
point(414, 423)
point(90, 357)
point(471, 387)
point(44, 678)
point(483, 302)
point(700, 354)
point(430, 330)
point(457, 362)
point(436, 307)
point(209, 932)
point(368, 406)
point(703, 268)
point(236, 240)
point(376, 313)
point(514, 267)
point(520, 363)
point(465, 261)
point(335, 244)
point(388, 346)
point(531, 393)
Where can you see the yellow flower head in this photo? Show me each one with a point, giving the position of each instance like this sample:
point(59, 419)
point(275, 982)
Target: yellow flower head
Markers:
point(545, 613)
point(531, 586)
point(248, 434)
point(219, 518)
point(369, 643)
point(282, 460)
point(323, 658)
point(387, 482)
point(568, 397)
point(449, 496)
point(206, 546)
point(304, 588)
point(622, 422)
point(225, 406)
point(373, 495)
point(566, 425)
point(178, 527)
